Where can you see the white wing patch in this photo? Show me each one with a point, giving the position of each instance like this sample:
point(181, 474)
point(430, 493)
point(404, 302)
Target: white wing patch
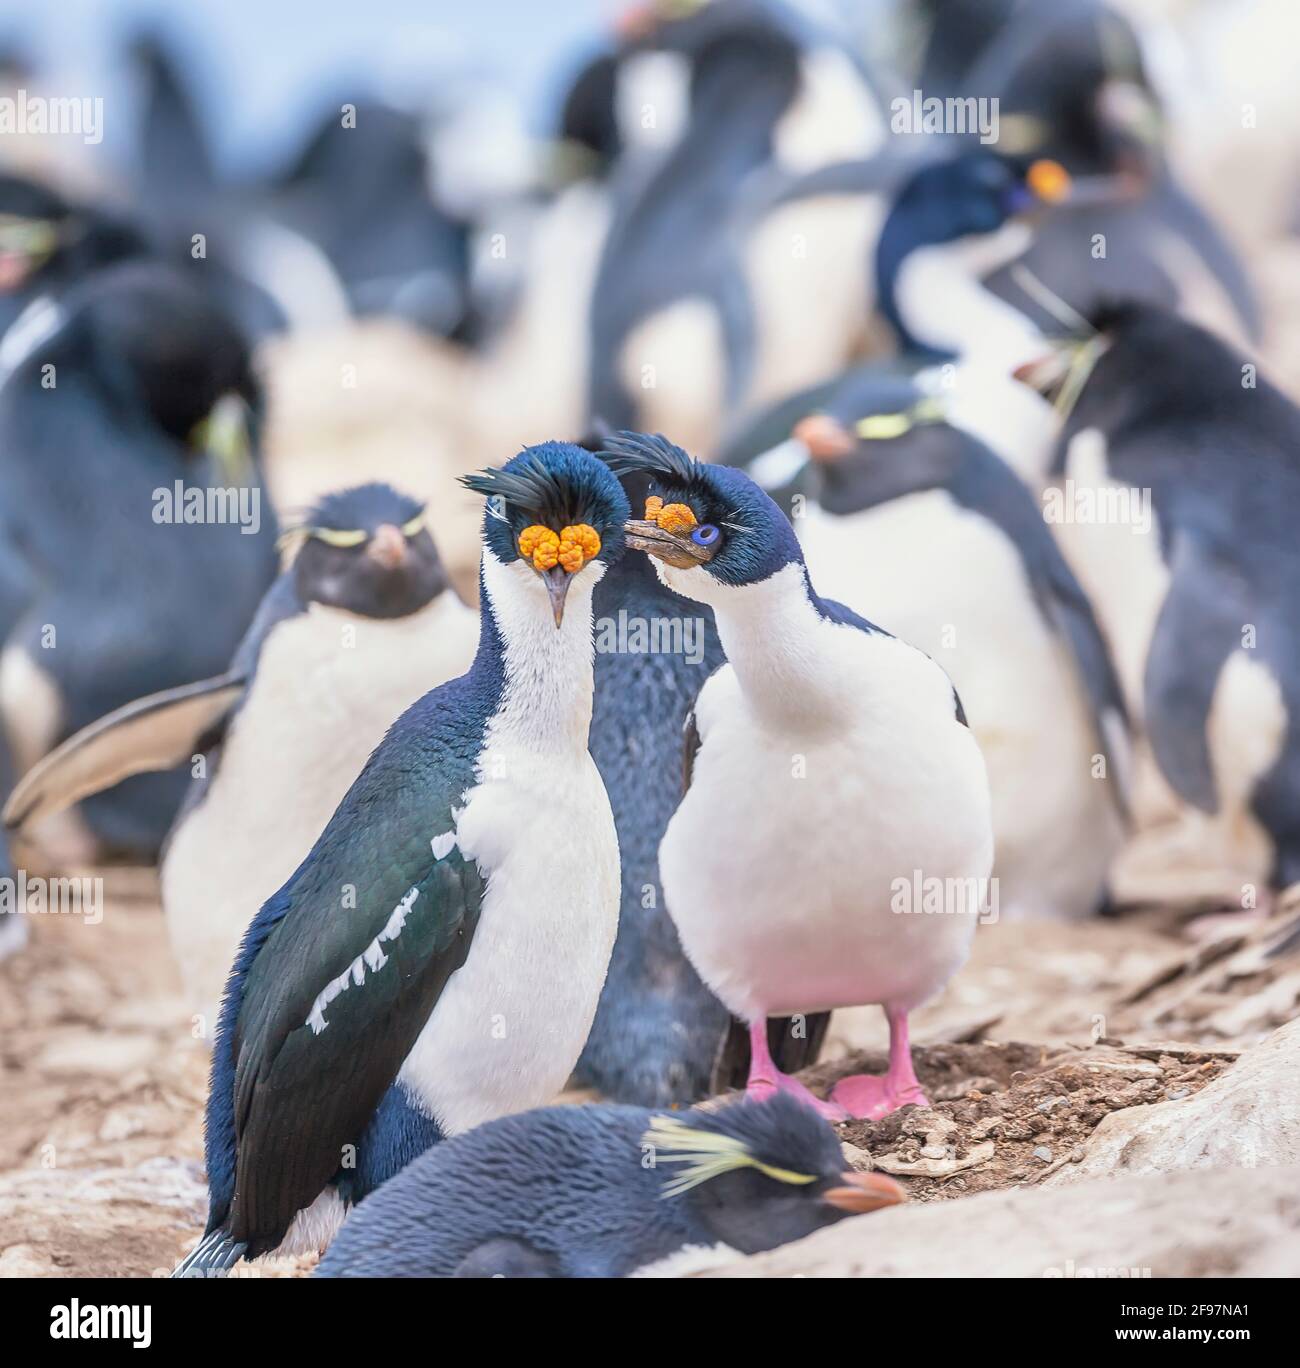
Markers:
point(37, 323)
point(372, 958)
point(441, 845)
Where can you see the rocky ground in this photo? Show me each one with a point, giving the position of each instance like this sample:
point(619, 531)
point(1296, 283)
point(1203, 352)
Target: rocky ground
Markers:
point(1047, 1062)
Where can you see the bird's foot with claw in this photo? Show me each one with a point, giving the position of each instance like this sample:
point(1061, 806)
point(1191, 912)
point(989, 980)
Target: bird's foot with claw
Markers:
point(869, 1097)
point(760, 1089)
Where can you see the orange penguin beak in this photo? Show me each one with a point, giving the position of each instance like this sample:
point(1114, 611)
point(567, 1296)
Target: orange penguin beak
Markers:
point(826, 438)
point(387, 546)
point(865, 1192)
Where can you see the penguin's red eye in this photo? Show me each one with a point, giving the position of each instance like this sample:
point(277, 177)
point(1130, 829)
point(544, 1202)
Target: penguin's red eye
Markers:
point(705, 535)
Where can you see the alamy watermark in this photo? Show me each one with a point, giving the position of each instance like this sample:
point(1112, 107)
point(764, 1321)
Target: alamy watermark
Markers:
point(921, 113)
point(24, 895)
point(240, 505)
point(1117, 505)
point(629, 635)
point(59, 116)
point(930, 895)
point(1073, 1270)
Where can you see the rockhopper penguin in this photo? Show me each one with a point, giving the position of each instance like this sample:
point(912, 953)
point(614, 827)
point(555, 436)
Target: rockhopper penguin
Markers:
point(607, 1192)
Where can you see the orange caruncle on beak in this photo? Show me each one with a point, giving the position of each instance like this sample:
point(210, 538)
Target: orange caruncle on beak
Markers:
point(673, 518)
point(540, 545)
point(578, 545)
point(571, 549)
point(1049, 181)
point(557, 556)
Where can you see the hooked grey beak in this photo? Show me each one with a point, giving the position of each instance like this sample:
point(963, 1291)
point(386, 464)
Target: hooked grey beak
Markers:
point(557, 580)
point(682, 552)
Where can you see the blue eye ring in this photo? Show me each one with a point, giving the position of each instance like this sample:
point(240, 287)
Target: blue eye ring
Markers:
point(705, 535)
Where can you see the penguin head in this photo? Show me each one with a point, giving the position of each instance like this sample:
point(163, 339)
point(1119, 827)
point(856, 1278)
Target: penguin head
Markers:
point(710, 528)
point(33, 221)
point(876, 438)
point(697, 28)
point(1073, 85)
point(163, 352)
point(555, 515)
point(368, 551)
point(760, 1174)
point(969, 195)
point(46, 240)
point(977, 207)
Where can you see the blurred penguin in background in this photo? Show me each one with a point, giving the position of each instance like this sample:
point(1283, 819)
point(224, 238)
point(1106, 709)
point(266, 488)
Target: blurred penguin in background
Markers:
point(137, 540)
point(1177, 481)
point(1072, 83)
point(361, 190)
point(947, 223)
point(266, 275)
point(690, 315)
point(359, 625)
point(48, 243)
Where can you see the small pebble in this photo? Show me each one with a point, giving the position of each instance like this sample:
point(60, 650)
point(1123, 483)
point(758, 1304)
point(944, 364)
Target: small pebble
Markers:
point(1043, 1154)
point(1175, 1093)
point(933, 1151)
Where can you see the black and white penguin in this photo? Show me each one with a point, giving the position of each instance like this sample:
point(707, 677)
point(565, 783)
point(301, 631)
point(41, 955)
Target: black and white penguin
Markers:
point(1176, 478)
point(607, 1192)
point(1072, 82)
point(357, 627)
point(362, 191)
point(138, 541)
point(697, 309)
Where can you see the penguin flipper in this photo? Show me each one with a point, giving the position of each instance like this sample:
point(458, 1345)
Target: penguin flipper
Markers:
point(1200, 232)
point(1198, 627)
point(1071, 616)
point(153, 733)
point(507, 1258)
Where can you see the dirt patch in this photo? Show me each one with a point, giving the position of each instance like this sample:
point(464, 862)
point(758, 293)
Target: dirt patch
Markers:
point(1007, 1115)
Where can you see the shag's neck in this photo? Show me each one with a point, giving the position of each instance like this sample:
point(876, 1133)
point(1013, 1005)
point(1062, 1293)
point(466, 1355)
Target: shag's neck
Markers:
point(776, 639)
point(547, 672)
point(936, 300)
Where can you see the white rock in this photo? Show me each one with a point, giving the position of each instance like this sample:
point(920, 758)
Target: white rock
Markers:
point(1247, 1118)
point(1208, 1224)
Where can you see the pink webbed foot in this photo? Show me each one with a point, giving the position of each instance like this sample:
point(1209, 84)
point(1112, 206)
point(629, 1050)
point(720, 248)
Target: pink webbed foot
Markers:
point(760, 1089)
point(765, 1079)
point(870, 1097)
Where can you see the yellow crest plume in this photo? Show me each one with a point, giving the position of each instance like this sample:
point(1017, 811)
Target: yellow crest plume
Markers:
point(705, 1154)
